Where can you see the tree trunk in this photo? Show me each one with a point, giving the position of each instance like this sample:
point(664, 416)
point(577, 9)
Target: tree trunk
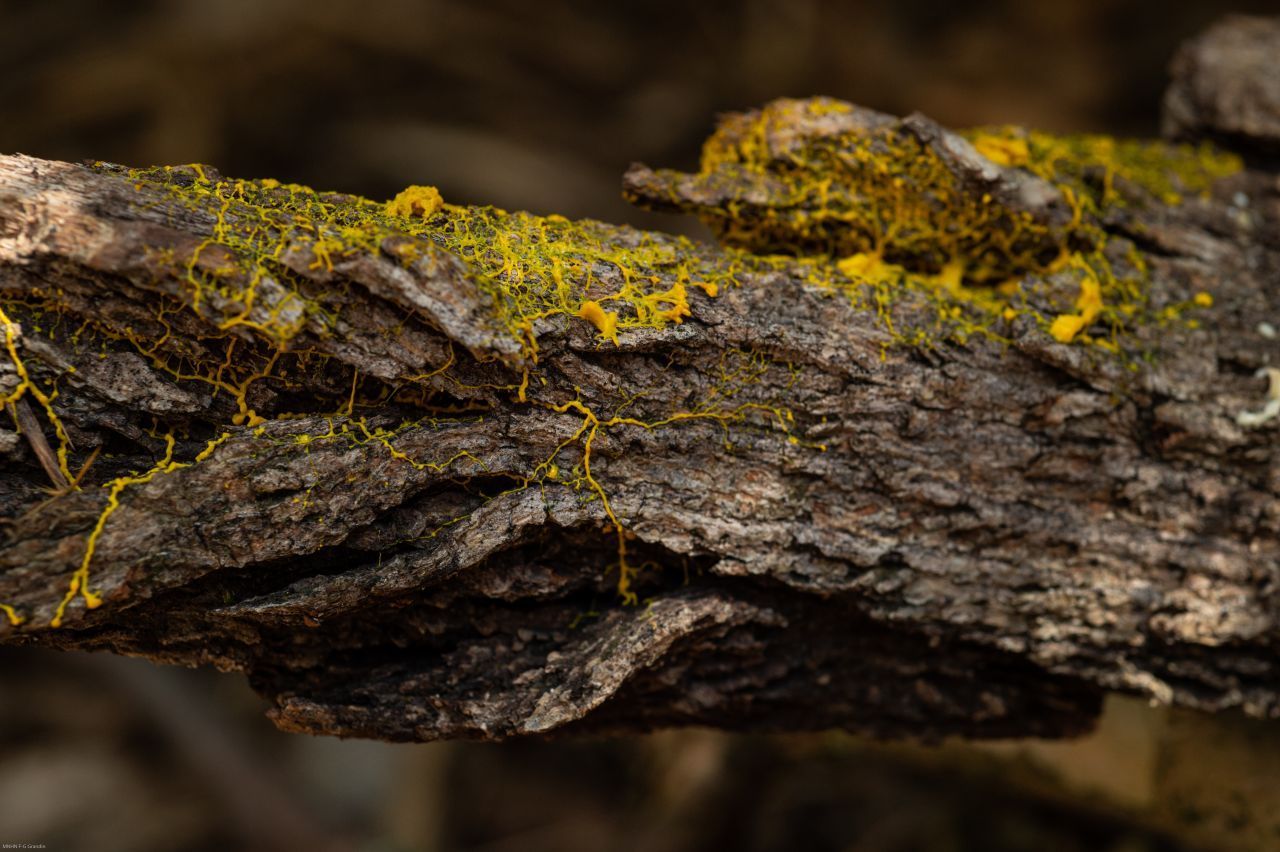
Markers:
point(954, 434)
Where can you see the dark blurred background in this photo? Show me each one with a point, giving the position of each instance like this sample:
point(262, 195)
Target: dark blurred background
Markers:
point(541, 106)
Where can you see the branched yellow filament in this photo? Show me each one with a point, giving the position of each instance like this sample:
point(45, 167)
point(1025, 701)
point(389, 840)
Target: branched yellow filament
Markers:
point(80, 579)
point(27, 385)
point(11, 614)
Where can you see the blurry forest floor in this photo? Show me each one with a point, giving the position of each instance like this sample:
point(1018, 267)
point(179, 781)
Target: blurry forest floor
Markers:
point(115, 755)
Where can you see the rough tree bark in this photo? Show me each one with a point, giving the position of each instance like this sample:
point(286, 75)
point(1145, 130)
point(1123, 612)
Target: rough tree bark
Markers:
point(978, 536)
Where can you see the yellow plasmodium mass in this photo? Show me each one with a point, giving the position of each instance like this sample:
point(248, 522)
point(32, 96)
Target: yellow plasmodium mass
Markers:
point(605, 321)
point(238, 281)
point(534, 267)
point(873, 197)
point(1066, 326)
point(421, 201)
point(1093, 164)
point(1096, 173)
point(1008, 150)
point(823, 179)
point(871, 214)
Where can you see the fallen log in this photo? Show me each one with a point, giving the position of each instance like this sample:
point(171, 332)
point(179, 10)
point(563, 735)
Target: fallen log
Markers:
point(953, 433)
